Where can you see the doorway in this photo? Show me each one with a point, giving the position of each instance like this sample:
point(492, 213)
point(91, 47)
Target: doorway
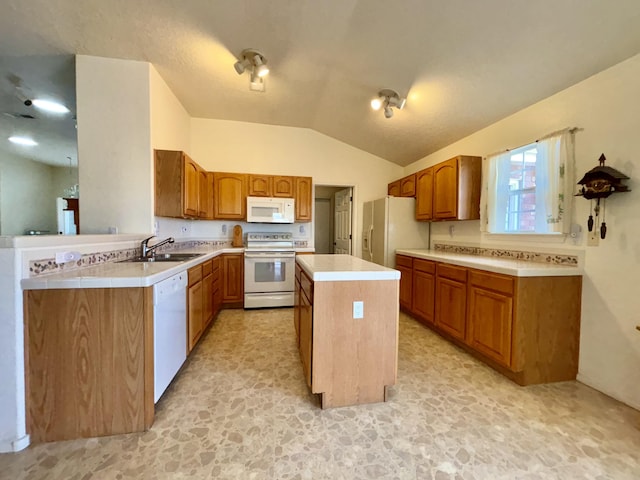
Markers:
point(333, 219)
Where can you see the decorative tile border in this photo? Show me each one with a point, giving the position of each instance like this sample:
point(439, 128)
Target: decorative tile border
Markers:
point(48, 265)
point(537, 257)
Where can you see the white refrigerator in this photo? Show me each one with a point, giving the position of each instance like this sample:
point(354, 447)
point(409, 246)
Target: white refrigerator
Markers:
point(389, 224)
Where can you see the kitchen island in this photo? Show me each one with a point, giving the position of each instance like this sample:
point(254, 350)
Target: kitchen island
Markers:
point(346, 321)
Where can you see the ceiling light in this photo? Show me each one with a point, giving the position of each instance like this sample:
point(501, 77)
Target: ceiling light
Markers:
point(255, 61)
point(26, 141)
point(49, 106)
point(387, 99)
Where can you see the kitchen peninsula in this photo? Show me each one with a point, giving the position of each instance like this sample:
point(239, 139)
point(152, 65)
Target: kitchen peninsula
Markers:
point(346, 321)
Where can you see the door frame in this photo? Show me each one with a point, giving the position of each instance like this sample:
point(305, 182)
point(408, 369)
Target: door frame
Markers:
point(354, 216)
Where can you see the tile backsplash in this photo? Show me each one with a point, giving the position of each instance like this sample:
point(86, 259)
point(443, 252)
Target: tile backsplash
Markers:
point(539, 257)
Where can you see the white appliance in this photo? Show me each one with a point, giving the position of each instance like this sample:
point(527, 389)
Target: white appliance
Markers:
point(169, 330)
point(269, 270)
point(270, 210)
point(64, 217)
point(389, 224)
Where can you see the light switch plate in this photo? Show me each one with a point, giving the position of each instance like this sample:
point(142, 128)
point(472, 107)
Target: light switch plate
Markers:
point(358, 309)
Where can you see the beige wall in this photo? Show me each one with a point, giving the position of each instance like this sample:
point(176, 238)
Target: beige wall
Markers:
point(220, 145)
point(114, 139)
point(605, 107)
point(170, 122)
point(27, 196)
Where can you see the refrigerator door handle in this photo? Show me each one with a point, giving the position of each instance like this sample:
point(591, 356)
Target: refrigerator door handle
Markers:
point(371, 242)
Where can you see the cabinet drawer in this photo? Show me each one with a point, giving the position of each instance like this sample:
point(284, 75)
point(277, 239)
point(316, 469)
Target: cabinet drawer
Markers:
point(215, 265)
point(426, 266)
point(404, 261)
point(195, 274)
point(306, 284)
point(452, 272)
point(207, 268)
point(298, 270)
point(492, 281)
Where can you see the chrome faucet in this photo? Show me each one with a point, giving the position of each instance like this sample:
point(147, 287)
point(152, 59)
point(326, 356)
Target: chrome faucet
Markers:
point(146, 251)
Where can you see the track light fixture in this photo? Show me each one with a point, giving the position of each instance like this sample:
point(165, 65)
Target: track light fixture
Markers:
point(387, 99)
point(254, 61)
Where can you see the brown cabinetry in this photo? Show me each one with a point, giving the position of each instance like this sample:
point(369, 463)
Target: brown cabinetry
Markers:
point(205, 191)
point(260, 185)
point(451, 299)
point(424, 282)
point(405, 266)
point(195, 307)
point(393, 188)
point(305, 318)
point(178, 183)
point(449, 190)
point(490, 316)
point(404, 187)
point(233, 274)
point(283, 186)
point(230, 196)
point(303, 198)
point(528, 328)
point(424, 194)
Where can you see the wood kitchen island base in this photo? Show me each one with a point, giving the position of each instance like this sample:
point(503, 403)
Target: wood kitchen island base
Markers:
point(349, 361)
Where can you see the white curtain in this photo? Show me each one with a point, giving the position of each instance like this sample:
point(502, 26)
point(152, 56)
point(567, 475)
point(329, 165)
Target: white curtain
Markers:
point(558, 172)
point(495, 186)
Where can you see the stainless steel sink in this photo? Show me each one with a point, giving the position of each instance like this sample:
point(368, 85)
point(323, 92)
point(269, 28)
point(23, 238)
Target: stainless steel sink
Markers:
point(165, 257)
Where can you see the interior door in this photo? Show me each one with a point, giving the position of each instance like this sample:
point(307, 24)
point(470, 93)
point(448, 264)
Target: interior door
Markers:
point(342, 222)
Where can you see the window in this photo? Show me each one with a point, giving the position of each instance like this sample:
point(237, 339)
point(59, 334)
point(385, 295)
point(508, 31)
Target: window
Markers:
point(524, 189)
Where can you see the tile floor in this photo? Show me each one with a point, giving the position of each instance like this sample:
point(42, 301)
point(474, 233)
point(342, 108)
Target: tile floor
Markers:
point(240, 409)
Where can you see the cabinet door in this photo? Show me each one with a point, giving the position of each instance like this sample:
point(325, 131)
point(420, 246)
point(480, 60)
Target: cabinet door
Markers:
point(216, 274)
point(283, 186)
point(451, 306)
point(205, 191)
point(191, 187)
point(233, 284)
point(230, 196)
point(424, 194)
point(406, 287)
point(424, 286)
point(207, 300)
point(303, 198)
point(393, 189)
point(490, 324)
point(306, 335)
point(195, 322)
point(445, 190)
point(260, 185)
point(408, 186)
point(296, 309)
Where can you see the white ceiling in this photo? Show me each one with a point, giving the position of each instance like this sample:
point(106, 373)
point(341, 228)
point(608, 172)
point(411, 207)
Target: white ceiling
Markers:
point(463, 64)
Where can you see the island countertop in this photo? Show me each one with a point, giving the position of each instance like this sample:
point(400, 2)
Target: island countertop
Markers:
point(332, 268)
point(507, 266)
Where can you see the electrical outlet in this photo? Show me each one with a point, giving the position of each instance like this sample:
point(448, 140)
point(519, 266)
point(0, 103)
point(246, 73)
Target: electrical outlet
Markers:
point(358, 309)
point(64, 257)
point(593, 238)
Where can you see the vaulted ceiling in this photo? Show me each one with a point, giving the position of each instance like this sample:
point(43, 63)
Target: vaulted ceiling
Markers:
point(462, 64)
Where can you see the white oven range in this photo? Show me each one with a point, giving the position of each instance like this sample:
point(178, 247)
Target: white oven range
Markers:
point(269, 270)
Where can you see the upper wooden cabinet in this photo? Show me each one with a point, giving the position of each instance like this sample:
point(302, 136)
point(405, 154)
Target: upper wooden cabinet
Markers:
point(230, 196)
point(404, 187)
point(393, 188)
point(205, 188)
point(283, 186)
point(303, 197)
point(453, 189)
point(260, 185)
point(408, 186)
point(177, 185)
point(424, 194)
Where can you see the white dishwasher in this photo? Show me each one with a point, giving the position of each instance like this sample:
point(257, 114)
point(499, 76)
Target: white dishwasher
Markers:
point(169, 330)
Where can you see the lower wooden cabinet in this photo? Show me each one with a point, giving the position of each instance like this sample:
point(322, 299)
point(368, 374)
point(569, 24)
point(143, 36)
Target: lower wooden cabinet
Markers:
point(423, 298)
point(405, 266)
point(306, 334)
point(233, 274)
point(195, 307)
point(451, 300)
point(527, 328)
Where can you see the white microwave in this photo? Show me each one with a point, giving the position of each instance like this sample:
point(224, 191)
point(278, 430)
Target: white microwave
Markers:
point(270, 210)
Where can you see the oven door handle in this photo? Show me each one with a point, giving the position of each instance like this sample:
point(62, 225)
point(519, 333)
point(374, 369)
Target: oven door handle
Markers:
point(270, 255)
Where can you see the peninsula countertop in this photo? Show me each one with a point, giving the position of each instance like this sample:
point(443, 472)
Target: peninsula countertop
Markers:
point(332, 268)
point(507, 266)
point(122, 274)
